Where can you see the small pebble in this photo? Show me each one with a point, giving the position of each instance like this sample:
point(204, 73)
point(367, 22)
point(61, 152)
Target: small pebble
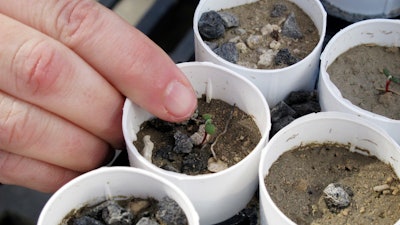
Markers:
point(285, 57)
point(183, 143)
point(228, 51)
point(230, 20)
point(211, 25)
point(170, 212)
point(278, 10)
point(254, 40)
point(381, 188)
point(337, 197)
point(266, 59)
point(291, 29)
point(147, 221)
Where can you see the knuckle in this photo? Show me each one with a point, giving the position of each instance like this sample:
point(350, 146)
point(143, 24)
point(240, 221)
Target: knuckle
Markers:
point(9, 164)
point(13, 124)
point(36, 67)
point(74, 19)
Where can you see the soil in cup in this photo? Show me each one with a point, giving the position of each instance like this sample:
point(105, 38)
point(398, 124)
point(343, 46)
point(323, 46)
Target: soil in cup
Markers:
point(359, 75)
point(128, 210)
point(266, 34)
point(297, 183)
point(187, 148)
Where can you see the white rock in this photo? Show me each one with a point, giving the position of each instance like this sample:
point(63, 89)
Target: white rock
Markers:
point(266, 59)
point(254, 40)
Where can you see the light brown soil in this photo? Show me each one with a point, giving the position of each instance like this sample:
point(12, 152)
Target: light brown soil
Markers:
point(358, 74)
point(254, 16)
point(297, 179)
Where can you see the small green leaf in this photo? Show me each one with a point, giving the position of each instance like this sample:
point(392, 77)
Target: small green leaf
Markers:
point(207, 116)
point(210, 128)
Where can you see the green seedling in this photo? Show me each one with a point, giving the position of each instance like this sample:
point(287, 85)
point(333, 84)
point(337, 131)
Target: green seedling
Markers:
point(390, 78)
point(209, 126)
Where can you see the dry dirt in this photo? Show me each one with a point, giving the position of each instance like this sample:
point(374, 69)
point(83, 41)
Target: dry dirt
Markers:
point(254, 16)
point(297, 179)
point(240, 138)
point(358, 74)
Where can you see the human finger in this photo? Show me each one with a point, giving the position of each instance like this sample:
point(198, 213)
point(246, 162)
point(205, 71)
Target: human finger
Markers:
point(122, 54)
point(31, 173)
point(43, 72)
point(32, 132)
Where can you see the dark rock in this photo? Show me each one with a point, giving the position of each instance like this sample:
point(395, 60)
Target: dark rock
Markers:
point(161, 125)
point(285, 57)
point(275, 35)
point(248, 216)
point(306, 108)
point(228, 51)
point(195, 162)
point(278, 10)
point(170, 212)
point(297, 97)
point(295, 105)
point(171, 167)
point(281, 110)
point(281, 123)
point(290, 28)
point(86, 220)
point(183, 143)
point(211, 25)
point(229, 19)
point(167, 153)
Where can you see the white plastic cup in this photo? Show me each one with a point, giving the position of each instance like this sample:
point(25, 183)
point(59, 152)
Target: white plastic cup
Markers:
point(384, 32)
point(221, 195)
point(354, 10)
point(319, 128)
point(98, 185)
point(275, 84)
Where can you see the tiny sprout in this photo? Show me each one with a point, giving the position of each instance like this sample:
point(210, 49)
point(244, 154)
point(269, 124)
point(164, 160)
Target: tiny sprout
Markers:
point(389, 79)
point(209, 127)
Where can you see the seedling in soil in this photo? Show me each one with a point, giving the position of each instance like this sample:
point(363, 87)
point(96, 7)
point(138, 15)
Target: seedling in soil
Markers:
point(390, 78)
point(209, 127)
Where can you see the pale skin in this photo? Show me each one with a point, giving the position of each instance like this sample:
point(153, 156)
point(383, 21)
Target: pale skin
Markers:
point(66, 67)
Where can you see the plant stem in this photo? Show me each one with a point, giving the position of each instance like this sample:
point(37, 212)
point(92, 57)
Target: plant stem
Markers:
point(204, 138)
point(387, 85)
point(389, 79)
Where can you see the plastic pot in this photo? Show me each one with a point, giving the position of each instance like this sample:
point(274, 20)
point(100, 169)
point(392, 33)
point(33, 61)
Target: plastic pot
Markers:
point(220, 195)
point(383, 32)
point(112, 182)
point(275, 84)
point(334, 127)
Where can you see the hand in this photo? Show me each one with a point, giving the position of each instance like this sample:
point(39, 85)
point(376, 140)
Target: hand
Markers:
point(65, 67)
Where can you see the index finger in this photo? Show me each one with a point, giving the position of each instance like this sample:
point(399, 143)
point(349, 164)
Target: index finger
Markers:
point(123, 55)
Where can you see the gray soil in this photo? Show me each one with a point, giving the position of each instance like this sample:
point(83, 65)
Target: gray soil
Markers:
point(296, 182)
point(254, 17)
point(358, 74)
point(241, 137)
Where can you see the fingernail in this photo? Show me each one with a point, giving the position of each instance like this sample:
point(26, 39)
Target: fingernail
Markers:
point(180, 100)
